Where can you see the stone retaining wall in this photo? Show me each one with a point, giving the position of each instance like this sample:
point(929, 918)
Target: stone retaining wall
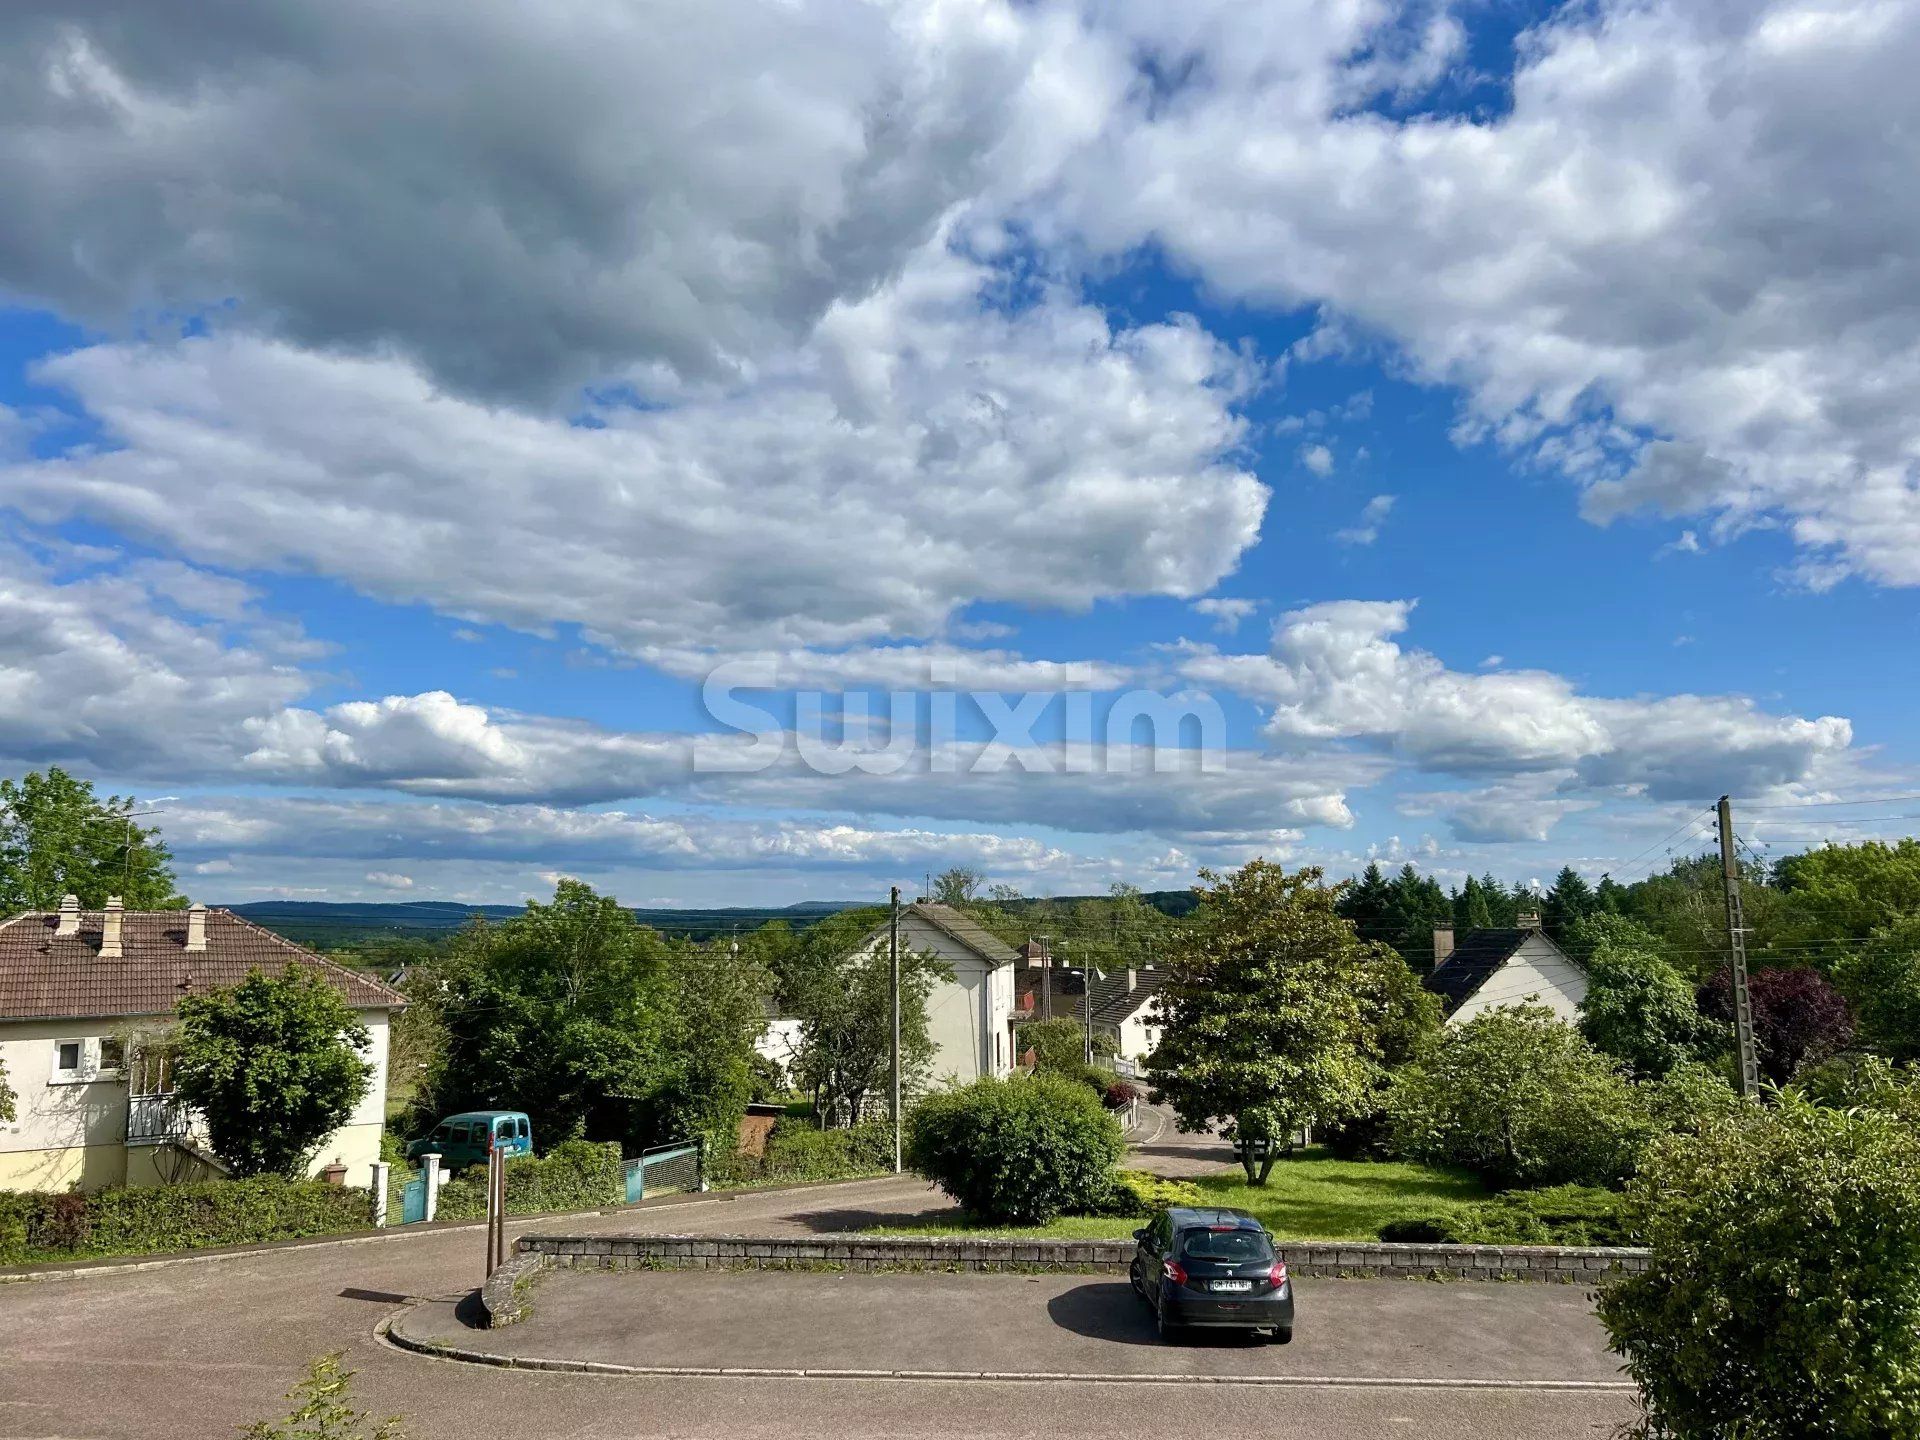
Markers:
point(1306, 1259)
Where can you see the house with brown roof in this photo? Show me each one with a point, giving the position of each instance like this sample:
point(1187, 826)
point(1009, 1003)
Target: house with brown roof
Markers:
point(1122, 1001)
point(85, 999)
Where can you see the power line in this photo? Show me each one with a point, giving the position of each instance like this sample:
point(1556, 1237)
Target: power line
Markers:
point(1820, 804)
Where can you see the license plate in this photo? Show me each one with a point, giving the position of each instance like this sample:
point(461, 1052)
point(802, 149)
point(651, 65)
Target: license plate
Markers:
point(1233, 1285)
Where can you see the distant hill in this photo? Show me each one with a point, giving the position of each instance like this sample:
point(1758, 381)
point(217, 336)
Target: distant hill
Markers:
point(338, 924)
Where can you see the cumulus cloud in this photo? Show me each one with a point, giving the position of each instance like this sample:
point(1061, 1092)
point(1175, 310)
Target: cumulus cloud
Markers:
point(1317, 458)
point(1679, 265)
point(919, 454)
point(1227, 614)
point(1372, 516)
point(1335, 673)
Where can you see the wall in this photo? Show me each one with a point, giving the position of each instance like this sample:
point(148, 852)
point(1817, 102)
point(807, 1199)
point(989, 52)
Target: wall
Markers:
point(1538, 973)
point(965, 1014)
point(71, 1134)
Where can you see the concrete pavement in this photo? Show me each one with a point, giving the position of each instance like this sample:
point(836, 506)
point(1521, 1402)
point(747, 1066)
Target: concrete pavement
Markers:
point(195, 1351)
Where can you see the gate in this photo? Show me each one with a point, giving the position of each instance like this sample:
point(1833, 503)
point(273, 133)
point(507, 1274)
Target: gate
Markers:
point(413, 1201)
point(665, 1169)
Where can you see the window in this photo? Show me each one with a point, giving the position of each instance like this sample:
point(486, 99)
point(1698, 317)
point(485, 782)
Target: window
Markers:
point(525, 1132)
point(69, 1058)
point(1236, 1247)
point(113, 1053)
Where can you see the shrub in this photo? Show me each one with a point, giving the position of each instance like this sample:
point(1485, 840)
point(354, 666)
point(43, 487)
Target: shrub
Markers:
point(574, 1175)
point(146, 1220)
point(1798, 1018)
point(1784, 1294)
point(1520, 1099)
point(321, 1411)
point(1138, 1192)
point(1018, 1151)
point(1558, 1215)
point(798, 1151)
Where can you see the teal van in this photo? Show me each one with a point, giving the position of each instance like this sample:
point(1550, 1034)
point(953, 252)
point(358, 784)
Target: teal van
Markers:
point(464, 1139)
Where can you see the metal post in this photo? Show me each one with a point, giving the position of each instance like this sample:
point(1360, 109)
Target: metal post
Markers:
point(893, 955)
point(1737, 950)
point(380, 1169)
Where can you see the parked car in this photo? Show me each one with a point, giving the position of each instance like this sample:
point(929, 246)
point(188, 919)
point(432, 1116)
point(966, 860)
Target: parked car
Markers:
point(1214, 1269)
point(464, 1139)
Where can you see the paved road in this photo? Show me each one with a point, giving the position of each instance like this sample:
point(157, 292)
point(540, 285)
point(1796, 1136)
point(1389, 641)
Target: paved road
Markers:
point(191, 1352)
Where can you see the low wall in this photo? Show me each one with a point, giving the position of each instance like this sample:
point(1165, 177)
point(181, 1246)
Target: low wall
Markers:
point(504, 1293)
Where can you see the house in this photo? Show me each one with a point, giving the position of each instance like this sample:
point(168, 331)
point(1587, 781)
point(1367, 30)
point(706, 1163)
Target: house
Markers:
point(1122, 1002)
point(83, 996)
point(1487, 969)
point(967, 1015)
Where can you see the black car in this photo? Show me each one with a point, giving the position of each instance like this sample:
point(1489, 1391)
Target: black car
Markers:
point(1213, 1268)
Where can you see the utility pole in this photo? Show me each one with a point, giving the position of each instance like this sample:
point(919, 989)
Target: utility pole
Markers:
point(893, 954)
point(1737, 950)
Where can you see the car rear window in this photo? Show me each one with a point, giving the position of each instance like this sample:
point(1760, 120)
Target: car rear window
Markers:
point(1232, 1246)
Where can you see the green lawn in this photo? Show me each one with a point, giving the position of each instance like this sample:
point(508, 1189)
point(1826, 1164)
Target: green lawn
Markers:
point(1309, 1196)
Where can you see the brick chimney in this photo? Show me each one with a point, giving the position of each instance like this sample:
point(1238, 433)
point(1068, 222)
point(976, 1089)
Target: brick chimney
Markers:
point(69, 916)
point(1034, 954)
point(110, 930)
point(1442, 944)
point(1528, 920)
point(197, 927)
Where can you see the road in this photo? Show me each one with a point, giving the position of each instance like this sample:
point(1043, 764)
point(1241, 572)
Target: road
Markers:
point(191, 1352)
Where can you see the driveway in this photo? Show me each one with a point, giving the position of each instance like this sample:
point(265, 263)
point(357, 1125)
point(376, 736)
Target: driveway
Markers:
point(194, 1351)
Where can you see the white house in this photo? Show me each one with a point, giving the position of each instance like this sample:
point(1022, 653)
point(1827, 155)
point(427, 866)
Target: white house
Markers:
point(1488, 969)
point(78, 991)
point(1122, 1001)
point(967, 1015)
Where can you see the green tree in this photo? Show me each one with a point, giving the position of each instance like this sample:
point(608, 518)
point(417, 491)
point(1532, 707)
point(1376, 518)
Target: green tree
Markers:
point(8, 1114)
point(560, 1012)
point(1569, 901)
point(958, 886)
point(1882, 981)
point(1849, 891)
point(838, 984)
point(1266, 1024)
point(274, 1065)
point(715, 1009)
point(58, 839)
point(1059, 1046)
point(1470, 908)
point(1639, 1009)
point(1517, 1096)
point(1783, 1299)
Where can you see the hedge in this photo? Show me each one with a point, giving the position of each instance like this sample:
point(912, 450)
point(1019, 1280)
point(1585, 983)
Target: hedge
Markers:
point(1556, 1215)
point(799, 1151)
point(574, 1175)
point(39, 1225)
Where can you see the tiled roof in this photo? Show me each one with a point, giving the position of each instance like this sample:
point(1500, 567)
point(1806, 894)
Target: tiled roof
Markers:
point(964, 928)
point(1477, 955)
point(1112, 1001)
point(1112, 1007)
point(44, 976)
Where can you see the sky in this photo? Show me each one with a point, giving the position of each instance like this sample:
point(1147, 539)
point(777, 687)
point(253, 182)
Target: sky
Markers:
point(740, 452)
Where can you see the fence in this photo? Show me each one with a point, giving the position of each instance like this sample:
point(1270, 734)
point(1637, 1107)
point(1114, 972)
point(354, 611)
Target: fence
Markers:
point(665, 1169)
point(152, 1119)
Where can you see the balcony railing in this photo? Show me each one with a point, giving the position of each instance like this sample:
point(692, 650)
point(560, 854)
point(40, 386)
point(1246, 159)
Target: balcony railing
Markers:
point(153, 1119)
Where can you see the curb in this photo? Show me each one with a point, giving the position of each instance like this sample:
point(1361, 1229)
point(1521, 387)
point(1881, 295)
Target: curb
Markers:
point(438, 1350)
point(134, 1264)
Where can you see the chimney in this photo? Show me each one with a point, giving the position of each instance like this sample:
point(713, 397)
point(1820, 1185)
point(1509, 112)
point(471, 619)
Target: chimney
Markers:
point(1442, 944)
point(69, 916)
point(197, 927)
point(110, 930)
point(1133, 980)
point(1528, 920)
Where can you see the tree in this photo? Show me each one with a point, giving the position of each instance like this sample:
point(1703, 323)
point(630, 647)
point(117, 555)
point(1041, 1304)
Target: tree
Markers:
point(1059, 1046)
point(1882, 982)
point(274, 1065)
point(715, 1010)
point(1570, 900)
point(1518, 1097)
point(1798, 1018)
point(1265, 1027)
point(1470, 908)
point(838, 984)
point(1783, 1298)
point(8, 1114)
point(560, 1012)
point(1849, 891)
point(958, 886)
point(1018, 1151)
point(57, 839)
point(1638, 1009)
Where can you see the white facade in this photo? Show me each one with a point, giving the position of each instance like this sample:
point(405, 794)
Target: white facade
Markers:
point(70, 1125)
point(968, 1016)
point(1537, 973)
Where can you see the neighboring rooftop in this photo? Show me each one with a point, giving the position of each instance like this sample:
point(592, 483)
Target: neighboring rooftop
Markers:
point(964, 928)
point(52, 966)
point(1475, 957)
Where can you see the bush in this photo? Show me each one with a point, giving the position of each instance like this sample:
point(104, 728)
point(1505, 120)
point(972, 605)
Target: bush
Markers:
point(1018, 1151)
point(1137, 1192)
point(798, 1151)
point(574, 1175)
point(150, 1220)
point(1558, 1215)
point(1520, 1099)
point(1784, 1294)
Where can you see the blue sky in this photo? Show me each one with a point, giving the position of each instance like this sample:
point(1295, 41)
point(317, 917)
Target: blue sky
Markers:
point(1502, 415)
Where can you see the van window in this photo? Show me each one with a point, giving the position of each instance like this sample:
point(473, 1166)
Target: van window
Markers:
point(458, 1135)
point(525, 1133)
point(504, 1126)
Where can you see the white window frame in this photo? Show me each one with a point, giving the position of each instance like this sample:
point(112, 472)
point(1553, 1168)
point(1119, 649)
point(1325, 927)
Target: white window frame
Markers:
point(89, 1070)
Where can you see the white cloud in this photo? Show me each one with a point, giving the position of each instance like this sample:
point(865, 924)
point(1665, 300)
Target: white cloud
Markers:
point(1372, 516)
point(917, 455)
point(1226, 613)
point(1335, 673)
point(1317, 458)
point(389, 880)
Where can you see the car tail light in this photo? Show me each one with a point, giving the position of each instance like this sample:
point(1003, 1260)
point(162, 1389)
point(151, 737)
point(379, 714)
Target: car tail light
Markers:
point(1277, 1275)
point(1174, 1271)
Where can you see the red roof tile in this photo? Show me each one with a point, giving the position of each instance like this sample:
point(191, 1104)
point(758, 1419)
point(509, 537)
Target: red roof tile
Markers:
point(44, 976)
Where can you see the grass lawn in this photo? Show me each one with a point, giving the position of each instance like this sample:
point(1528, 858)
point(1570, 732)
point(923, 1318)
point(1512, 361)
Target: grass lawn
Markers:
point(1309, 1196)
